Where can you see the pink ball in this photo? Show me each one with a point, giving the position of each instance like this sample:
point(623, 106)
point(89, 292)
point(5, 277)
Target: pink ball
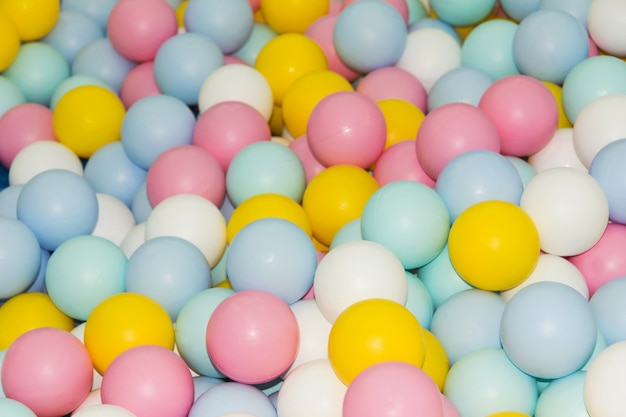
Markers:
point(149, 381)
point(451, 130)
point(252, 337)
point(49, 370)
point(227, 127)
point(605, 260)
point(347, 128)
point(395, 389)
point(449, 409)
point(399, 162)
point(138, 28)
point(22, 125)
point(140, 82)
point(312, 167)
point(394, 82)
point(321, 31)
point(524, 112)
point(400, 5)
point(186, 169)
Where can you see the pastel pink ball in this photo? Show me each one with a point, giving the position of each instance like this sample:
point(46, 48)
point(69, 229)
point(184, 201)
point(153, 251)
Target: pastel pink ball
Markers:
point(140, 82)
point(399, 162)
point(149, 381)
point(49, 370)
point(312, 167)
point(227, 127)
point(186, 169)
point(252, 337)
point(524, 112)
point(22, 125)
point(395, 389)
point(451, 130)
point(346, 128)
point(394, 82)
point(138, 28)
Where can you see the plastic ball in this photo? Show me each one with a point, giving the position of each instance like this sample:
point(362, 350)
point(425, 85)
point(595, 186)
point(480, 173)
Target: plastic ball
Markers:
point(314, 330)
point(398, 163)
point(103, 410)
point(604, 28)
point(559, 152)
point(233, 399)
point(606, 169)
point(372, 331)
point(563, 397)
point(51, 381)
point(11, 95)
point(418, 300)
point(10, 41)
point(20, 257)
point(462, 13)
point(42, 156)
point(73, 81)
point(312, 167)
point(604, 376)
point(292, 16)
point(154, 125)
point(436, 362)
point(260, 35)
point(140, 82)
point(523, 168)
point(15, 408)
point(518, 10)
point(494, 245)
point(608, 310)
point(402, 118)
point(98, 10)
point(393, 82)
point(8, 201)
point(115, 219)
point(72, 31)
point(460, 85)
point(33, 19)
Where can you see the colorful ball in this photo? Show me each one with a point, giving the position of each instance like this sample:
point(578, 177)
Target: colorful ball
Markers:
point(20, 257)
point(72, 31)
point(33, 19)
point(608, 309)
point(15, 408)
point(604, 375)
point(10, 41)
point(460, 85)
point(559, 152)
point(314, 332)
point(103, 410)
point(73, 81)
point(462, 13)
point(604, 28)
point(312, 166)
point(393, 82)
point(115, 219)
point(233, 398)
point(607, 170)
point(563, 397)
point(398, 163)
point(140, 82)
point(518, 10)
point(42, 156)
point(98, 10)
point(260, 35)
point(402, 118)
point(11, 95)
point(436, 362)
point(292, 16)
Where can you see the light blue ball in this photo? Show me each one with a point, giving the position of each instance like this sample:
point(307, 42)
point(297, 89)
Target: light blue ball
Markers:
point(202, 384)
point(485, 381)
point(563, 397)
point(153, 125)
point(218, 272)
point(468, 321)
point(170, 270)
point(10, 95)
point(369, 35)
point(99, 59)
point(39, 285)
point(577, 8)
point(98, 10)
point(524, 169)
point(74, 81)
point(519, 9)
point(476, 176)
point(72, 31)
point(410, 219)
point(460, 85)
point(58, 205)
point(110, 171)
point(14, 408)
point(20, 257)
point(227, 23)
point(462, 12)
point(259, 36)
point(8, 200)
point(82, 272)
point(231, 397)
point(37, 70)
point(419, 301)
point(140, 206)
point(607, 304)
point(262, 168)
point(348, 232)
point(272, 255)
point(608, 169)
point(182, 64)
point(548, 330)
point(592, 78)
point(432, 23)
point(489, 48)
point(191, 325)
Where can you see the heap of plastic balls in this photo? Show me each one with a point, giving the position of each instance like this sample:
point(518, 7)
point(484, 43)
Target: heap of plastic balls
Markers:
point(306, 208)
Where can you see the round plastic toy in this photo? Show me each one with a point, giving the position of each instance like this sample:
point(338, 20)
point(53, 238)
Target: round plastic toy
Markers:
point(41, 156)
point(11, 95)
point(462, 13)
point(563, 397)
point(604, 28)
point(399, 162)
point(393, 82)
point(559, 152)
point(292, 16)
point(314, 332)
point(233, 398)
point(402, 118)
point(460, 85)
point(436, 362)
point(15, 408)
point(33, 19)
point(608, 171)
point(140, 82)
point(72, 31)
point(115, 219)
point(10, 41)
point(20, 257)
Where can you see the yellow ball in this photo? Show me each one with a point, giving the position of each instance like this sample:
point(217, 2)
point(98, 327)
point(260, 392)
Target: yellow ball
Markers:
point(123, 321)
point(180, 13)
point(287, 57)
point(293, 16)
point(494, 245)
point(34, 19)
point(403, 120)
point(557, 93)
point(264, 206)
point(304, 94)
point(336, 196)
point(9, 41)
point(29, 311)
point(87, 118)
point(436, 363)
point(372, 331)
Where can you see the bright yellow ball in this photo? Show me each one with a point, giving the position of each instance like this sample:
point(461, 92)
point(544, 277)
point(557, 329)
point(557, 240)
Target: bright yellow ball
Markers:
point(305, 93)
point(336, 196)
point(494, 245)
point(29, 311)
point(88, 117)
point(557, 93)
point(436, 363)
point(292, 16)
point(287, 57)
point(373, 331)
point(123, 321)
point(34, 19)
point(9, 41)
point(403, 120)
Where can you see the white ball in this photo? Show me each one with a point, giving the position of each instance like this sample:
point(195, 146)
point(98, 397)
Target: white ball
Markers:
point(311, 390)
point(114, 219)
point(599, 123)
point(314, 333)
point(559, 152)
point(103, 410)
point(555, 269)
point(429, 54)
point(237, 82)
point(603, 389)
point(569, 209)
point(135, 237)
point(606, 24)
point(193, 218)
point(355, 271)
point(42, 156)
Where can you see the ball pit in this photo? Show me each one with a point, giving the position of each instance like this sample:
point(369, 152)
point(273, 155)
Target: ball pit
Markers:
point(266, 208)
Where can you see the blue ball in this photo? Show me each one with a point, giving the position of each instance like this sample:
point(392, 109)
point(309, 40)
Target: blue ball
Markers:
point(170, 270)
point(231, 397)
point(153, 125)
point(72, 31)
point(58, 205)
point(462, 12)
point(433, 23)
point(39, 285)
point(74, 81)
point(182, 64)
point(140, 206)
point(460, 85)
point(202, 384)
point(272, 255)
point(369, 35)
point(577, 8)
point(98, 10)
point(548, 330)
point(8, 200)
point(419, 301)
point(20, 257)
point(519, 9)
point(260, 35)
point(348, 232)
point(476, 176)
point(99, 59)
point(607, 304)
point(563, 397)
point(10, 95)
point(227, 23)
point(489, 48)
point(608, 169)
